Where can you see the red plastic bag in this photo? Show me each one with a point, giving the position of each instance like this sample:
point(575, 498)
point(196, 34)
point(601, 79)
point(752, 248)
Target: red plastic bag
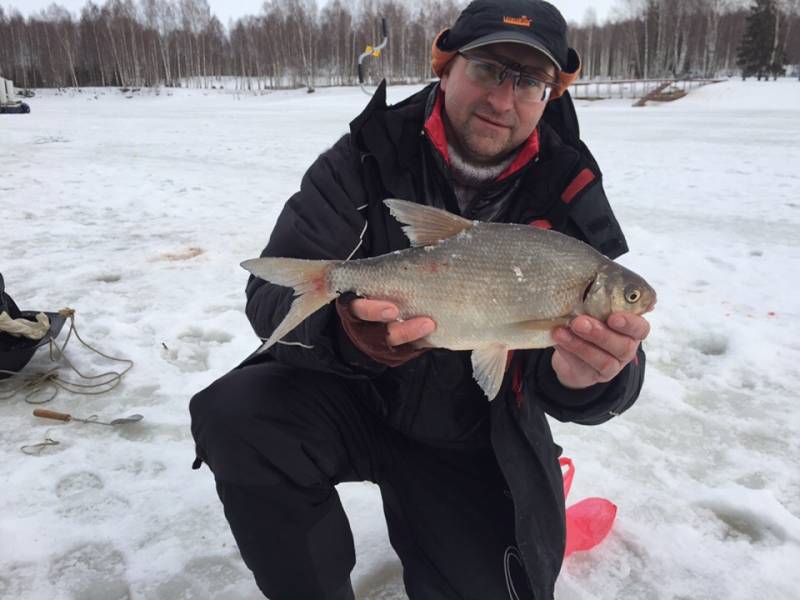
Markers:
point(588, 521)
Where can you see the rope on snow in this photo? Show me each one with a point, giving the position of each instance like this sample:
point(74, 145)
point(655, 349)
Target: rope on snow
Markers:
point(34, 383)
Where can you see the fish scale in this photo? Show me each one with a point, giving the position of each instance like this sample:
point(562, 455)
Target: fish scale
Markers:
point(489, 287)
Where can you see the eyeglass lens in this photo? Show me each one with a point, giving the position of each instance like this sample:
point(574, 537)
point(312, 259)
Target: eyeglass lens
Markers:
point(526, 87)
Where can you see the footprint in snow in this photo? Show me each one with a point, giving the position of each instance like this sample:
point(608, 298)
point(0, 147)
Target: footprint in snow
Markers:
point(91, 572)
point(147, 468)
point(84, 499)
point(77, 483)
point(205, 578)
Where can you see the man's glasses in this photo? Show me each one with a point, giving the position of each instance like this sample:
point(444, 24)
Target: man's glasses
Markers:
point(490, 73)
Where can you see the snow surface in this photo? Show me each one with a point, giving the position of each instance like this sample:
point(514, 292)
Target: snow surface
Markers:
point(137, 211)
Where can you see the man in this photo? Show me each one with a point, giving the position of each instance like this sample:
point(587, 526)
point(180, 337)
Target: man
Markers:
point(472, 491)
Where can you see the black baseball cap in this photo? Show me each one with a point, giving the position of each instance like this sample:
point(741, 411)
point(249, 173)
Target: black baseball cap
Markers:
point(535, 23)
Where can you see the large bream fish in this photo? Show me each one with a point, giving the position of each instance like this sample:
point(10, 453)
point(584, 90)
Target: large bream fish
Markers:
point(490, 287)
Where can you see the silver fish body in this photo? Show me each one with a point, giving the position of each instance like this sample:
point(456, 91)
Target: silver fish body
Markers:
point(489, 287)
point(479, 285)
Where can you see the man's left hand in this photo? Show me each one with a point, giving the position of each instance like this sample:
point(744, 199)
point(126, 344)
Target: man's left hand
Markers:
point(589, 351)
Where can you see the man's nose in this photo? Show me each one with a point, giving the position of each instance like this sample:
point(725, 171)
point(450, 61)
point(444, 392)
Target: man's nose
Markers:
point(502, 96)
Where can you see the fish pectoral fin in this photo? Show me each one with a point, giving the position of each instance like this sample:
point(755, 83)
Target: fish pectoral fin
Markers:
point(425, 225)
point(543, 324)
point(489, 367)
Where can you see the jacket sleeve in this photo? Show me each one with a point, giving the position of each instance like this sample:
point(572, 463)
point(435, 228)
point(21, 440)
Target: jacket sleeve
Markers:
point(323, 220)
point(591, 220)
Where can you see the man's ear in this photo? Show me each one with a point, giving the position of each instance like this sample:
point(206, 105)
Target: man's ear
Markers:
point(445, 75)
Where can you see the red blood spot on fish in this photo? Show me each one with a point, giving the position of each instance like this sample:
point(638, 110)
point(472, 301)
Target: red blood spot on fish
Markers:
point(771, 314)
point(434, 267)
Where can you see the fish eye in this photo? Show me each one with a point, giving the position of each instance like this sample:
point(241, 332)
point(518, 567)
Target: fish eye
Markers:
point(632, 294)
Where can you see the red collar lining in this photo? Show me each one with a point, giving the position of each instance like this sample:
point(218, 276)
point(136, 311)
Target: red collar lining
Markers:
point(434, 126)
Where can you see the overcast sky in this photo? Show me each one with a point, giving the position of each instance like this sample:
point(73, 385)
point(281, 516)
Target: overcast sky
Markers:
point(573, 10)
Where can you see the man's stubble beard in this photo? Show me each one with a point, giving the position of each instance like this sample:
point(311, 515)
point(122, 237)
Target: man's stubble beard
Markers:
point(474, 146)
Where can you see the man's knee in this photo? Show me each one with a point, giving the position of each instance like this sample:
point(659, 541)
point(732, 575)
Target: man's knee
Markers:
point(229, 415)
point(261, 424)
point(217, 403)
point(229, 403)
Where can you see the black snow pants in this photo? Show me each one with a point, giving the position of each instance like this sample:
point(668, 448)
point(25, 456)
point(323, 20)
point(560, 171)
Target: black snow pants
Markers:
point(279, 438)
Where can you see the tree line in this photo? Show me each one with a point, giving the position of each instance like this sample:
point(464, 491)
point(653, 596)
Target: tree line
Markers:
point(295, 42)
point(680, 38)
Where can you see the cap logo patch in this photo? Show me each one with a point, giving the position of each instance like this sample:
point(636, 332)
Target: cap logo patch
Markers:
point(522, 21)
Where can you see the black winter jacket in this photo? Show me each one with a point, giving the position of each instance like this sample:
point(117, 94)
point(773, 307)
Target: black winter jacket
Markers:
point(338, 212)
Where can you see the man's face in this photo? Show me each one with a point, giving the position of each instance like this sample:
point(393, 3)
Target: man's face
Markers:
point(485, 125)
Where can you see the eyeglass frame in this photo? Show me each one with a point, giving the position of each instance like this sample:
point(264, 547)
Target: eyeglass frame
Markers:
point(516, 72)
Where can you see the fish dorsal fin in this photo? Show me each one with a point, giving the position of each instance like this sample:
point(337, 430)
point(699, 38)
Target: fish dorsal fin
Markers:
point(489, 367)
point(425, 225)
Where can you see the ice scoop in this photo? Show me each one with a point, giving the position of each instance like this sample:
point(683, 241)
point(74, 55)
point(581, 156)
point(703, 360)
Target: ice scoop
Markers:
point(93, 419)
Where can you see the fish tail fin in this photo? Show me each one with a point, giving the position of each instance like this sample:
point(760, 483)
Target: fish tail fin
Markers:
point(308, 278)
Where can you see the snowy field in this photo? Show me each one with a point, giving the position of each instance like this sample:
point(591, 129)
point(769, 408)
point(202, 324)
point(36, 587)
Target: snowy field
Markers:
point(136, 213)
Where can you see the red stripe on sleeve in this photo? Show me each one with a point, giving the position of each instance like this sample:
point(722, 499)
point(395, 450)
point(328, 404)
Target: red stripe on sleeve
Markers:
point(583, 179)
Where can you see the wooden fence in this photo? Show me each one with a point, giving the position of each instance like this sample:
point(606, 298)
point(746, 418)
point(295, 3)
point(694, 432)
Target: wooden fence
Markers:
point(631, 88)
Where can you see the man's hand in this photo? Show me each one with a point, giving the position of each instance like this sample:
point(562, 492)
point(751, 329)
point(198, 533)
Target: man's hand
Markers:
point(589, 351)
point(399, 332)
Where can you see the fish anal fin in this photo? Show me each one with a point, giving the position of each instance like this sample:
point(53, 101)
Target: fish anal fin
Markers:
point(489, 367)
point(425, 225)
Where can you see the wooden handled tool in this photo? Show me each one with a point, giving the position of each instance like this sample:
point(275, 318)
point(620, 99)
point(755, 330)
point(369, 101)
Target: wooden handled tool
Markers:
point(51, 414)
point(93, 420)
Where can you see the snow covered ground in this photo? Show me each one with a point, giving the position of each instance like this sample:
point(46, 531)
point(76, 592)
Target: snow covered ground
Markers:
point(137, 211)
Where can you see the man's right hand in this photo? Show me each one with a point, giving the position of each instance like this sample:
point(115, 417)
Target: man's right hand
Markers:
point(399, 332)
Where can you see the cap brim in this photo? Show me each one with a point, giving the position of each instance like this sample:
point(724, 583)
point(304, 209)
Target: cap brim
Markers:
point(511, 37)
